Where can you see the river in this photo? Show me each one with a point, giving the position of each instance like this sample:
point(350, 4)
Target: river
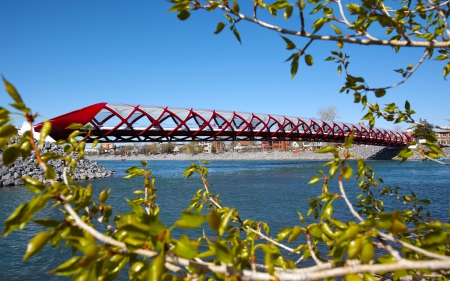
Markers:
point(262, 190)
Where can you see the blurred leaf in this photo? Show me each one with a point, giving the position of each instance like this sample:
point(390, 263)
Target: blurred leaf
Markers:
point(236, 34)
point(12, 91)
point(289, 44)
point(336, 30)
point(284, 233)
point(326, 149)
point(224, 222)
point(348, 172)
point(183, 15)
point(380, 92)
point(314, 180)
point(288, 12)
point(8, 131)
point(223, 253)
point(67, 268)
point(219, 27)
point(10, 154)
point(75, 126)
point(309, 60)
point(296, 231)
point(235, 6)
point(185, 248)
point(45, 131)
point(190, 220)
point(37, 244)
point(33, 184)
point(349, 140)
point(327, 211)
point(214, 220)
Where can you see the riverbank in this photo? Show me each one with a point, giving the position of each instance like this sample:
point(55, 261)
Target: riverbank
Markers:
point(367, 153)
point(370, 153)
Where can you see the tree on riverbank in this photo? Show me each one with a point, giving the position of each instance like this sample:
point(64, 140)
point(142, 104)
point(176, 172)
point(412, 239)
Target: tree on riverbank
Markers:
point(378, 242)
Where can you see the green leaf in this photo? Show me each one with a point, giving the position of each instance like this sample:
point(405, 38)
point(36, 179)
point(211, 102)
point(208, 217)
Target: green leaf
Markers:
point(186, 248)
point(314, 180)
point(327, 149)
point(435, 237)
point(183, 15)
point(104, 195)
point(296, 231)
point(235, 6)
point(289, 44)
point(37, 244)
point(380, 92)
point(336, 30)
point(50, 173)
point(352, 277)
point(327, 211)
point(219, 27)
point(12, 91)
point(190, 220)
point(348, 171)
point(288, 12)
point(33, 184)
point(294, 69)
point(302, 219)
point(214, 220)
point(236, 34)
point(284, 233)
point(224, 222)
point(48, 223)
point(75, 126)
point(223, 253)
point(446, 70)
point(309, 60)
point(68, 268)
point(10, 154)
point(16, 220)
point(45, 131)
point(8, 131)
point(349, 140)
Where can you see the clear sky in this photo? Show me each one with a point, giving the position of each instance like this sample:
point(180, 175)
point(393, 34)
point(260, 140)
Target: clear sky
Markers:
point(64, 55)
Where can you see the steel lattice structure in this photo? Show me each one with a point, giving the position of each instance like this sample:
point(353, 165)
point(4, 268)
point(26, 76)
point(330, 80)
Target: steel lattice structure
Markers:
point(139, 123)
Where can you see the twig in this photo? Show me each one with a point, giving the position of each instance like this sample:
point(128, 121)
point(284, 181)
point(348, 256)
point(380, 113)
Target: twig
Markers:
point(392, 43)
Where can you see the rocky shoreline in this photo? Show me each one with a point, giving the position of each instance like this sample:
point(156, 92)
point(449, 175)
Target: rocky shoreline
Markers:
point(86, 169)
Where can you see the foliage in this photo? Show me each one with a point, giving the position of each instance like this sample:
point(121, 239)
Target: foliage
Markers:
point(424, 130)
point(406, 24)
point(104, 243)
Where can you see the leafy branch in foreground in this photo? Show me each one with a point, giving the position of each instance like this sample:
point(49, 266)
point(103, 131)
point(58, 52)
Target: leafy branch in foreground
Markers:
point(406, 24)
point(368, 243)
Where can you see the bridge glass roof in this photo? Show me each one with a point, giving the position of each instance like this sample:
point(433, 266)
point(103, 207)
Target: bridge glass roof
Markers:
point(143, 123)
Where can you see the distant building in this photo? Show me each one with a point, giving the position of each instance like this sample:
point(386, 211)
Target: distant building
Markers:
point(443, 136)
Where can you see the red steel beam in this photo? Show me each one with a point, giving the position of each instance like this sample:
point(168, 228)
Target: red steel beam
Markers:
point(139, 123)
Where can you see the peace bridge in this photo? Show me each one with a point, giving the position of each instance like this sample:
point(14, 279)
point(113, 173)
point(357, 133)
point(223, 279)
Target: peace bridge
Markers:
point(140, 123)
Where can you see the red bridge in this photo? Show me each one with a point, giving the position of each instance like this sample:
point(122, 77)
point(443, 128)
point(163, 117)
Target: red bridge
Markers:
point(139, 123)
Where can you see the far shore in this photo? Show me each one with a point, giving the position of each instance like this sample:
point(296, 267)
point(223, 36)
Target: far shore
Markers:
point(363, 152)
point(368, 153)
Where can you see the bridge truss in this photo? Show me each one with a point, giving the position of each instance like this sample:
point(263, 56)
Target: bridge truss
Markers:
point(139, 123)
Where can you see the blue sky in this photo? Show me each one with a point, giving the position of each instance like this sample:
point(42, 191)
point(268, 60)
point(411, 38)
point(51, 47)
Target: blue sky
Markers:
point(64, 55)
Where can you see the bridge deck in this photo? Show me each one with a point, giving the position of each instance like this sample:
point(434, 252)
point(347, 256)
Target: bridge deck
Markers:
point(137, 123)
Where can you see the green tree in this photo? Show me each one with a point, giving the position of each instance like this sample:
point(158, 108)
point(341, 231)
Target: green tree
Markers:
point(423, 130)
